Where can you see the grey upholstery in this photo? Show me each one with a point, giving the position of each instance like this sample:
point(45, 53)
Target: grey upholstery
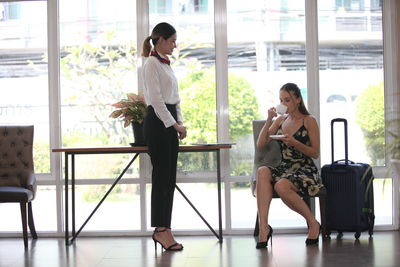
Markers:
point(271, 156)
point(17, 177)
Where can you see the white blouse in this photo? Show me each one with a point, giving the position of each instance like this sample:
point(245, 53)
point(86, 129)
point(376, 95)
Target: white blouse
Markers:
point(160, 88)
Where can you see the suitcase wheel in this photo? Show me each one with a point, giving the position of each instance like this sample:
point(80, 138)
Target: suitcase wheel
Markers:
point(357, 235)
point(339, 235)
point(328, 234)
point(370, 232)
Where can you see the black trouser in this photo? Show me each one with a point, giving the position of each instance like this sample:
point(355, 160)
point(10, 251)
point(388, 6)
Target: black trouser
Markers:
point(163, 149)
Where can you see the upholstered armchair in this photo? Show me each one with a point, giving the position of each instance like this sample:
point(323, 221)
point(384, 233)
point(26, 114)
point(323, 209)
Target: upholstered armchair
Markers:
point(270, 155)
point(17, 178)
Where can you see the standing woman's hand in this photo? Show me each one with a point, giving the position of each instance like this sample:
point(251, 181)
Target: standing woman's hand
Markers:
point(181, 130)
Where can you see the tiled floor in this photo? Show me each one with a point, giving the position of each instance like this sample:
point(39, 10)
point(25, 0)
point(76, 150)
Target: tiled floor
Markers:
point(287, 250)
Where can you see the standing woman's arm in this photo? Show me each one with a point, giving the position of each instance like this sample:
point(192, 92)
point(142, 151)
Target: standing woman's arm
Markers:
point(179, 114)
point(152, 83)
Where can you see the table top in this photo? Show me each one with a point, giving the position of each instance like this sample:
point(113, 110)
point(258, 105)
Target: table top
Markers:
point(141, 149)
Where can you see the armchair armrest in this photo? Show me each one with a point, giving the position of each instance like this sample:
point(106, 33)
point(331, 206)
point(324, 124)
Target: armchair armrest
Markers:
point(31, 183)
point(269, 156)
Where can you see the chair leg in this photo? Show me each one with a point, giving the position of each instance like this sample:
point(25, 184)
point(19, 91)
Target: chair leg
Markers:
point(24, 223)
point(31, 223)
point(256, 228)
point(322, 210)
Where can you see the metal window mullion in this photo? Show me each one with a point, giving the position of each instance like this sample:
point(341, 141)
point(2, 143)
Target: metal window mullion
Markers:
point(312, 57)
point(53, 43)
point(221, 76)
point(391, 60)
point(312, 61)
point(142, 28)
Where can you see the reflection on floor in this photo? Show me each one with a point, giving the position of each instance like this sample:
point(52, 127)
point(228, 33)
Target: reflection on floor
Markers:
point(287, 250)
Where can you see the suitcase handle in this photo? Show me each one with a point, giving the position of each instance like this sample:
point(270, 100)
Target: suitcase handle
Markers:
point(338, 161)
point(346, 154)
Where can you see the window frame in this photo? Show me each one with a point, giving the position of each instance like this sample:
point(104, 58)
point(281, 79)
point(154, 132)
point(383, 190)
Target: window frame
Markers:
point(55, 177)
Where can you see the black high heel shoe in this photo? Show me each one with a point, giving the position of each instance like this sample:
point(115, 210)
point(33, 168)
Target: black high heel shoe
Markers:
point(170, 248)
point(313, 241)
point(265, 244)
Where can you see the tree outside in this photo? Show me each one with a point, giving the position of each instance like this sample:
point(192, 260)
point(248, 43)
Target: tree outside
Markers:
point(370, 118)
point(198, 94)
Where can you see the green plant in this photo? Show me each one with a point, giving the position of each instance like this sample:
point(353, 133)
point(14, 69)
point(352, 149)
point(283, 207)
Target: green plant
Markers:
point(198, 94)
point(131, 109)
point(370, 118)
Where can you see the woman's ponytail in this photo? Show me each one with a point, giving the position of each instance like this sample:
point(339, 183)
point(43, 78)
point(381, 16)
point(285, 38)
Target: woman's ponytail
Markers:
point(146, 47)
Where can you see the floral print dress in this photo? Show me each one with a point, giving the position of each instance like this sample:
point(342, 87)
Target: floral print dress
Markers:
point(297, 167)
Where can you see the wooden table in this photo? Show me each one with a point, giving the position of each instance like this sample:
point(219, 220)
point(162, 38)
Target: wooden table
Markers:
point(70, 152)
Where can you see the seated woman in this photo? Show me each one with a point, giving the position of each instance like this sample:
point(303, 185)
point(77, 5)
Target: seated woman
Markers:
point(297, 173)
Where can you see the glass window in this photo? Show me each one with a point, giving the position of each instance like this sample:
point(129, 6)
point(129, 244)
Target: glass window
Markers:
point(24, 74)
point(44, 221)
point(351, 81)
point(194, 65)
point(104, 166)
point(244, 206)
point(98, 68)
point(351, 87)
point(266, 49)
point(120, 211)
point(383, 199)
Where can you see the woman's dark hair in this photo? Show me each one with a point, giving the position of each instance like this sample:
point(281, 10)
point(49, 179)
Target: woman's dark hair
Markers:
point(163, 30)
point(292, 87)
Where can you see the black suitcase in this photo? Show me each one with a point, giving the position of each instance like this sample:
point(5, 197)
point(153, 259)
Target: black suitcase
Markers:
point(350, 196)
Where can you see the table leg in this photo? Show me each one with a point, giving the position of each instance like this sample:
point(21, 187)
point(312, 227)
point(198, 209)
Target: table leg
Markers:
point(66, 199)
point(73, 192)
point(219, 196)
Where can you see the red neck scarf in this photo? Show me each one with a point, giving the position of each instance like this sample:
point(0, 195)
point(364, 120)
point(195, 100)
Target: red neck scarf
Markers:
point(162, 60)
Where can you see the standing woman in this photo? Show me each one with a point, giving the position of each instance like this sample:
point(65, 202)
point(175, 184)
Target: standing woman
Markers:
point(162, 125)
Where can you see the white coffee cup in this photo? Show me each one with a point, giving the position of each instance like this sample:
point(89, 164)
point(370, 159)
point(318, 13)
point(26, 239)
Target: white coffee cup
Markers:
point(281, 109)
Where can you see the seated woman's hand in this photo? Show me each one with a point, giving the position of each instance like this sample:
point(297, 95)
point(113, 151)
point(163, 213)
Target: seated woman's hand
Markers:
point(289, 140)
point(272, 113)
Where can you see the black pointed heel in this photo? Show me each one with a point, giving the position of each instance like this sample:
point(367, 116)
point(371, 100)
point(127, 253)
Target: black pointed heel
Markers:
point(269, 236)
point(313, 241)
point(170, 248)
